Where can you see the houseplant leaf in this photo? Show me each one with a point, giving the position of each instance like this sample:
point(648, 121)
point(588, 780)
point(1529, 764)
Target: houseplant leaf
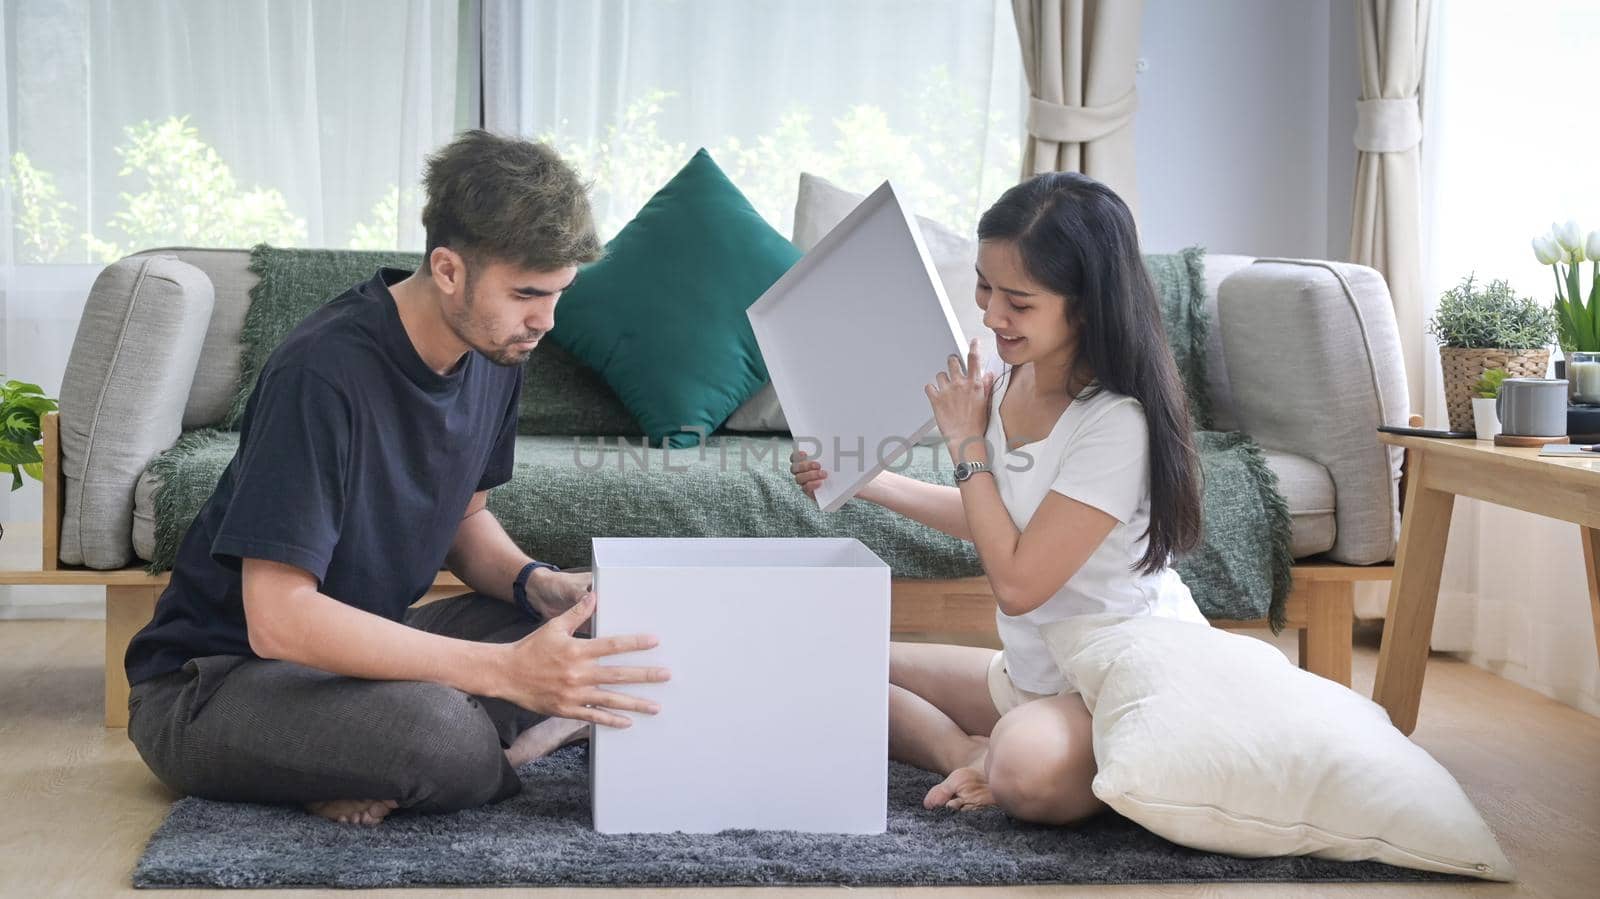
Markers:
point(22, 409)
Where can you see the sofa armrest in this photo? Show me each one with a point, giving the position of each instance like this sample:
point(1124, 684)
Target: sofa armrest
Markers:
point(1314, 365)
point(123, 396)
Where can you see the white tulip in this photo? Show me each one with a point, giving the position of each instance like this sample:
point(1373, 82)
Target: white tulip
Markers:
point(1547, 251)
point(1569, 235)
point(1591, 247)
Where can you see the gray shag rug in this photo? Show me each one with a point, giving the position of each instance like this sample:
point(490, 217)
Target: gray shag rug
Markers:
point(543, 836)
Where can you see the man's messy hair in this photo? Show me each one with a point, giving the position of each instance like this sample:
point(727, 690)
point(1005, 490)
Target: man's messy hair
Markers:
point(508, 200)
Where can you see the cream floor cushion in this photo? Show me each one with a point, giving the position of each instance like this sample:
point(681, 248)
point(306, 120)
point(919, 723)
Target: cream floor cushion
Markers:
point(1214, 740)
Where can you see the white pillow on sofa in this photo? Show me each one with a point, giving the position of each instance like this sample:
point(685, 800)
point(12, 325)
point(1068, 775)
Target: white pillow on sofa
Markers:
point(819, 207)
point(1215, 741)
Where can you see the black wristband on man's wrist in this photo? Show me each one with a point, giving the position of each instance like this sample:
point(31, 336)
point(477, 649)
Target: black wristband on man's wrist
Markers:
point(519, 588)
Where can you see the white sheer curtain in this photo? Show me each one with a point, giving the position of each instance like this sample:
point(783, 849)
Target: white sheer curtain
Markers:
point(289, 120)
point(929, 93)
point(1509, 137)
point(131, 124)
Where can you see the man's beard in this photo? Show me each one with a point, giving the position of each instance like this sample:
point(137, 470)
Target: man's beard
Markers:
point(504, 355)
point(508, 358)
point(466, 325)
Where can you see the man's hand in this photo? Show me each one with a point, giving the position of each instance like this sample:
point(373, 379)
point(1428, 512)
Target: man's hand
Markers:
point(554, 673)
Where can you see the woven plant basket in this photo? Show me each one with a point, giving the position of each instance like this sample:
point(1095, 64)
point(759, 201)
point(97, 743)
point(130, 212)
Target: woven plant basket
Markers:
point(1463, 368)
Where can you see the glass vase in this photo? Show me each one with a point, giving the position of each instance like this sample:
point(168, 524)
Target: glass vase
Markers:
point(1583, 370)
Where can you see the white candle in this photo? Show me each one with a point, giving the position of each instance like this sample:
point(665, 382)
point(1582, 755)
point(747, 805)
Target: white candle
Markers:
point(1586, 379)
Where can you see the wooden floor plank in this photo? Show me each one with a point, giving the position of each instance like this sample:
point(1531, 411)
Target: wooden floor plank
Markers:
point(79, 804)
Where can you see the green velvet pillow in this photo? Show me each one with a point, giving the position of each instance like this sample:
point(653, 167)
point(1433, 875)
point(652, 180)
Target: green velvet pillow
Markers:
point(661, 316)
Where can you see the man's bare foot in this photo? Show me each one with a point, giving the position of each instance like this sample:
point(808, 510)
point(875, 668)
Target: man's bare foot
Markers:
point(544, 738)
point(353, 811)
point(967, 787)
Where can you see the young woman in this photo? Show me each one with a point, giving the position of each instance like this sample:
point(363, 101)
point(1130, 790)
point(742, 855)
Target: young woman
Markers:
point(1076, 481)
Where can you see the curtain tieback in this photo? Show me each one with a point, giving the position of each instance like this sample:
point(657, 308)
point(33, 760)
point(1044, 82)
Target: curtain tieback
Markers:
point(1388, 126)
point(1079, 124)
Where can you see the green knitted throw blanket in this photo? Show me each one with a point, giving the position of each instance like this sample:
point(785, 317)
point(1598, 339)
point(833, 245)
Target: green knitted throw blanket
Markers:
point(566, 490)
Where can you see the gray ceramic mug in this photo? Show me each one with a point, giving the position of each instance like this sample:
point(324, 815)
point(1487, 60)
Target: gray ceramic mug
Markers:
point(1532, 407)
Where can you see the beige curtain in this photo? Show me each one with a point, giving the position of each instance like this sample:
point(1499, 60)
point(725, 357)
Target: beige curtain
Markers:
point(1079, 56)
point(1386, 229)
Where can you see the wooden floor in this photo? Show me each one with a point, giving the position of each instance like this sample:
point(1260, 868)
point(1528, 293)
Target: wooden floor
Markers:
point(77, 804)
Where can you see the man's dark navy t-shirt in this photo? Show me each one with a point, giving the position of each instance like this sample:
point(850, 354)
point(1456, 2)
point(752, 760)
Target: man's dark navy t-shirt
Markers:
point(356, 462)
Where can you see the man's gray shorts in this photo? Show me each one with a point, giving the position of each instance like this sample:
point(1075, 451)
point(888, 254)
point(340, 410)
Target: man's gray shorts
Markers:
point(243, 729)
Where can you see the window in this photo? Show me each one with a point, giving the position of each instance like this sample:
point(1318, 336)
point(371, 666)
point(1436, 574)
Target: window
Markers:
point(128, 126)
point(929, 93)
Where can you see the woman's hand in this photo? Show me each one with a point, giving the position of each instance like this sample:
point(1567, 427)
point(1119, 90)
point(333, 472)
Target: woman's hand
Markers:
point(960, 401)
point(553, 592)
point(807, 472)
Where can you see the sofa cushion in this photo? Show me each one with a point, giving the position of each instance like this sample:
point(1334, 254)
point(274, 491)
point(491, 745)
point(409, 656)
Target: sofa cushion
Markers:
point(1313, 357)
point(216, 377)
point(662, 316)
point(122, 397)
point(821, 205)
point(565, 491)
point(562, 396)
point(1218, 267)
point(570, 399)
point(144, 513)
point(1308, 492)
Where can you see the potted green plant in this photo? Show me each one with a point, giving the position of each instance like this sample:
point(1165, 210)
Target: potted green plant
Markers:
point(22, 408)
point(1564, 249)
point(1487, 326)
point(1485, 393)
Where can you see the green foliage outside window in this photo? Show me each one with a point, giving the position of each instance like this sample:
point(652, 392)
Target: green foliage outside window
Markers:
point(181, 192)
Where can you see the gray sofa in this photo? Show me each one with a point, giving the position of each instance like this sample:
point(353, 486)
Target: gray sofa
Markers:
point(1303, 357)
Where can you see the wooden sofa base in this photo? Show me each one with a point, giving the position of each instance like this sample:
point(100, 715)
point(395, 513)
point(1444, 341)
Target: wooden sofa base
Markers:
point(1321, 609)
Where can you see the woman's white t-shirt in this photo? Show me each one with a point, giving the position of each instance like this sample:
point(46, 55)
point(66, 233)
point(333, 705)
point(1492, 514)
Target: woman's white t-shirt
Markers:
point(1098, 453)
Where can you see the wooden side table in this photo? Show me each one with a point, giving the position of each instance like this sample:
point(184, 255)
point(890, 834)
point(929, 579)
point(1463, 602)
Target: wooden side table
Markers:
point(1440, 470)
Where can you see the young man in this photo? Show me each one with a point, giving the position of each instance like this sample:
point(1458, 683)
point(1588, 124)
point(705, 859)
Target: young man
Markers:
point(284, 663)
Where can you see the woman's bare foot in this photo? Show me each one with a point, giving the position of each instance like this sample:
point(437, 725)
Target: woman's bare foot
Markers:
point(353, 811)
point(967, 787)
point(544, 738)
point(964, 790)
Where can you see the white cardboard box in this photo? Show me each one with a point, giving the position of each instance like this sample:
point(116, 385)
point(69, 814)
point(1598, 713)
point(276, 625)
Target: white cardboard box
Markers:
point(777, 714)
point(851, 334)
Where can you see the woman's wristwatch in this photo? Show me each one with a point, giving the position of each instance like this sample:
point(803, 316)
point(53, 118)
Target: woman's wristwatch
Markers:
point(966, 470)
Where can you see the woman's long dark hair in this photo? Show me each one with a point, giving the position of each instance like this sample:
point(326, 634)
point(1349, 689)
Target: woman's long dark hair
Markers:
point(1077, 238)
